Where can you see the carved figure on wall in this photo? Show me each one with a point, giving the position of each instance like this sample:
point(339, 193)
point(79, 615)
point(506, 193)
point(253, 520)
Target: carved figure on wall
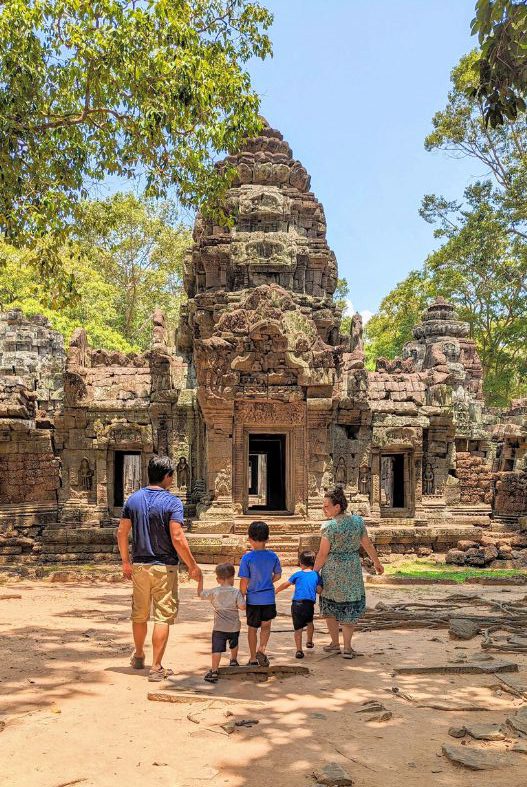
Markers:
point(162, 438)
point(199, 487)
point(183, 473)
point(364, 480)
point(222, 485)
point(341, 472)
point(357, 342)
point(85, 476)
point(429, 480)
point(158, 328)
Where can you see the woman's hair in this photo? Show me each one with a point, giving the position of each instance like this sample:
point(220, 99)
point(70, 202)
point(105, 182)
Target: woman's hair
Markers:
point(338, 498)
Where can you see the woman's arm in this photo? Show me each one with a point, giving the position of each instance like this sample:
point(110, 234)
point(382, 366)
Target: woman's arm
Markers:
point(370, 550)
point(323, 552)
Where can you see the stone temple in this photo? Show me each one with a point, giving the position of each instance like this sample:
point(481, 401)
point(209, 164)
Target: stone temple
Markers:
point(262, 403)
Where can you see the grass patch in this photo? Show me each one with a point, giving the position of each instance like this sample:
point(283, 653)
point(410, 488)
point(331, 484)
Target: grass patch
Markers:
point(422, 569)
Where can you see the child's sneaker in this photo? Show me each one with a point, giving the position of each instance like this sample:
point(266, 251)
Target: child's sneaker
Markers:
point(299, 654)
point(212, 676)
point(234, 663)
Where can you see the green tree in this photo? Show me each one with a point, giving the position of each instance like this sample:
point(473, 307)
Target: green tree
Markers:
point(93, 305)
point(138, 246)
point(112, 87)
point(125, 260)
point(501, 26)
point(388, 331)
point(482, 263)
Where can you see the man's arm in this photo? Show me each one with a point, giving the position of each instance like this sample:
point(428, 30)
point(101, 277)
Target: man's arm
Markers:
point(181, 546)
point(123, 533)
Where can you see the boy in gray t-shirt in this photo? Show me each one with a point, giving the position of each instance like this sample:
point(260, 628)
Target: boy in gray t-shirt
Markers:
point(226, 601)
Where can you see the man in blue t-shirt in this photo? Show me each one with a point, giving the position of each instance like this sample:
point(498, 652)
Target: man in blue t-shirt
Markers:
point(154, 516)
point(259, 570)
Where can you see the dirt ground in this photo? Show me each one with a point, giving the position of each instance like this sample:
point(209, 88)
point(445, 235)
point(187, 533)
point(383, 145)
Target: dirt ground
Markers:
point(76, 713)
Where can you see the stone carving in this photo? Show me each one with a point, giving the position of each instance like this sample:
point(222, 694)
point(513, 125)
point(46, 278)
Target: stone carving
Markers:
point(159, 335)
point(183, 473)
point(428, 480)
point(357, 343)
point(199, 488)
point(387, 481)
point(222, 484)
point(162, 438)
point(364, 480)
point(85, 477)
point(341, 473)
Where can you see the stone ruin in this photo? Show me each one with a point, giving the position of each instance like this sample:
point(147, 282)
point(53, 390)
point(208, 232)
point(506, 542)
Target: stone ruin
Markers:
point(262, 403)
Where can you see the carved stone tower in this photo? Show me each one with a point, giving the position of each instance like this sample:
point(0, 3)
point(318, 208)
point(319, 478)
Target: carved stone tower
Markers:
point(264, 331)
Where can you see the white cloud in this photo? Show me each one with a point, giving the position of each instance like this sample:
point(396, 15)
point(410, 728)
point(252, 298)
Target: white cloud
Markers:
point(350, 310)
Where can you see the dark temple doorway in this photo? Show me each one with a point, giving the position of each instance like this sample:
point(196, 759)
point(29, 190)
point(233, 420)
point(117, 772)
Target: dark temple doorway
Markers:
point(392, 481)
point(266, 476)
point(126, 475)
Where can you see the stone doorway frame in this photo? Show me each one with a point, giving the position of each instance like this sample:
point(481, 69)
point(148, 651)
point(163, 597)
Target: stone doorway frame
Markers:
point(288, 433)
point(408, 510)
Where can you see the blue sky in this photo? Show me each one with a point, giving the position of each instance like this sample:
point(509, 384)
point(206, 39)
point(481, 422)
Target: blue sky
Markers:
point(353, 86)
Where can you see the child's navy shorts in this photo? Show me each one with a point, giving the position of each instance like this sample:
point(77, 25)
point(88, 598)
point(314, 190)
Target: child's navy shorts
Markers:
point(220, 639)
point(260, 613)
point(302, 613)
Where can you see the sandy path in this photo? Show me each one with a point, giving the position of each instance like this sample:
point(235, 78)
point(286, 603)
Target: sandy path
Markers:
point(75, 712)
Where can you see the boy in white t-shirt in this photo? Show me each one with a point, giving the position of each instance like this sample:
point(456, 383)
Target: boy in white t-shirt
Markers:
point(226, 601)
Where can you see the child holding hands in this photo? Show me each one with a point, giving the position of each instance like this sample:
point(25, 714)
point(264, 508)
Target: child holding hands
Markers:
point(307, 583)
point(226, 601)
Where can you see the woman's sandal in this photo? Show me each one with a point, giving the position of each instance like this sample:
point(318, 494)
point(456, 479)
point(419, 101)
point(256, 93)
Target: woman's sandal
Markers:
point(299, 654)
point(262, 659)
point(155, 676)
point(212, 676)
point(331, 648)
point(137, 662)
point(253, 663)
point(348, 654)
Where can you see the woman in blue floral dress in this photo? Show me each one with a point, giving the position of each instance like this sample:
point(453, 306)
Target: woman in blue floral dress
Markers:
point(343, 598)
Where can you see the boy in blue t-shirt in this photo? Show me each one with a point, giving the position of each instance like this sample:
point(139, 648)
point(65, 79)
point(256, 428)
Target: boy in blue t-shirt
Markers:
point(259, 570)
point(307, 584)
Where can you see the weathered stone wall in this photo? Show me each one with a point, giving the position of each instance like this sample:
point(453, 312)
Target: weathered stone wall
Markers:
point(510, 498)
point(475, 477)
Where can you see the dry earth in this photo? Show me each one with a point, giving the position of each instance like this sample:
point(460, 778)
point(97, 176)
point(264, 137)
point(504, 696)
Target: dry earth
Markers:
point(75, 713)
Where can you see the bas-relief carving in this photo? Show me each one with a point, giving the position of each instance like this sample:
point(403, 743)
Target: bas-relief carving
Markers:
point(183, 473)
point(85, 476)
point(261, 413)
point(341, 473)
point(428, 480)
point(364, 480)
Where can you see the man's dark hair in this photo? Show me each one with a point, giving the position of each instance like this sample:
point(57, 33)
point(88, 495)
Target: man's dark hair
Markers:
point(158, 468)
point(307, 559)
point(225, 570)
point(259, 531)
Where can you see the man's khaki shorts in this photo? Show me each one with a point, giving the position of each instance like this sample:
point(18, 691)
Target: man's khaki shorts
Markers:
point(154, 587)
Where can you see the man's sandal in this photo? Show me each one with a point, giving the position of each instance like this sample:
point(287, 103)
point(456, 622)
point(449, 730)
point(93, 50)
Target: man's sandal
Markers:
point(155, 676)
point(262, 659)
point(137, 662)
point(212, 676)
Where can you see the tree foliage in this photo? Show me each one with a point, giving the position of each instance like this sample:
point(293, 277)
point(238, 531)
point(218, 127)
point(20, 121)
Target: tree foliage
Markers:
point(501, 26)
point(125, 260)
point(123, 88)
point(482, 262)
